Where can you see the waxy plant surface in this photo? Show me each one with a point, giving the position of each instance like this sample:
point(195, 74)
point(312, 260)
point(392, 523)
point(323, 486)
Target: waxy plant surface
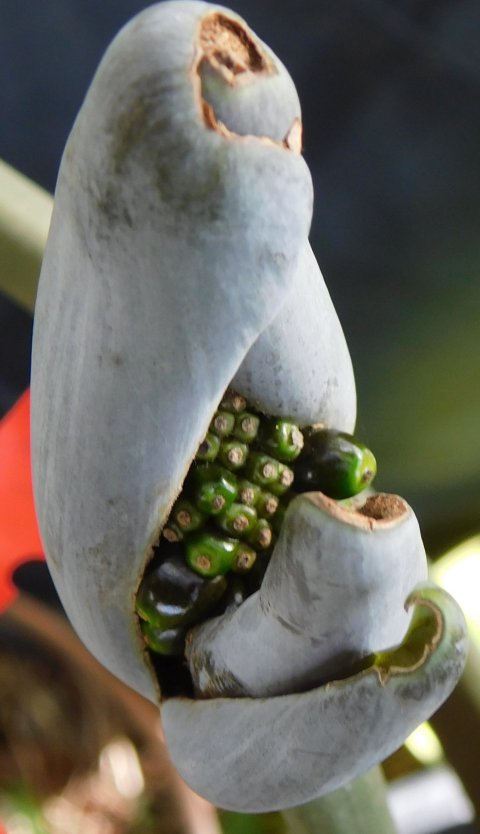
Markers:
point(177, 266)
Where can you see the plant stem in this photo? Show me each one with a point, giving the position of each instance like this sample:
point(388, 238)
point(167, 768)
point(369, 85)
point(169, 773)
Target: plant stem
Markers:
point(360, 807)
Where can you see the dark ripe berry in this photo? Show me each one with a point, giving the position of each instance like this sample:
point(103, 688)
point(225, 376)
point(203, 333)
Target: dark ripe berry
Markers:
point(172, 595)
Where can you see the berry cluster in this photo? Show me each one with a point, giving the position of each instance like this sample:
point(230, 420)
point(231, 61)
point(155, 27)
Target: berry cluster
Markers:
point(221, 531)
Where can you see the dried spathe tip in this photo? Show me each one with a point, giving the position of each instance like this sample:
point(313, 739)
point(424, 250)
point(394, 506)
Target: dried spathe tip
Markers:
point(231, 49)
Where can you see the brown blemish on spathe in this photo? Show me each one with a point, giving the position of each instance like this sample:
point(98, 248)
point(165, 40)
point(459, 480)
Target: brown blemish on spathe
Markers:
point(423, 651)
point(129, 128)
point(230, 49)
point(383, 507)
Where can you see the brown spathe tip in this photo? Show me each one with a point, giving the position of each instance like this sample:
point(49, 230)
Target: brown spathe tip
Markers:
point(383, 507)
point(230, 48)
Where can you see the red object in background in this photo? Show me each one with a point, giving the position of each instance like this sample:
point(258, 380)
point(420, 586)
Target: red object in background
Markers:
point(19, 535)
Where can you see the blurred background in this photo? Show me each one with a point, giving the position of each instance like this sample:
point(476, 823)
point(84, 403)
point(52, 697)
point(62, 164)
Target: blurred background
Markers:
point(390, 96)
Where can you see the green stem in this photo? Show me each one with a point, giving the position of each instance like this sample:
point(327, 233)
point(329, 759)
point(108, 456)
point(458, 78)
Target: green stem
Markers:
point(25, 211)
point(360, 807)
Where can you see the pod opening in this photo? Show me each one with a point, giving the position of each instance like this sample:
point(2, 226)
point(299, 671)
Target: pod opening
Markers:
point(221, 532)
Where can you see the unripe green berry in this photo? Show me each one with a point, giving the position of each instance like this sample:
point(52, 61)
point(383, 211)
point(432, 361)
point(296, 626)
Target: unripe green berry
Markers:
point(209, 554)
point(232, 454)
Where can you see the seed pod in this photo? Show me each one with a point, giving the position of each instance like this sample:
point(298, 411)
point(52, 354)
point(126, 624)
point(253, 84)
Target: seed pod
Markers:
point(214, 152)
point(335, 463)
point(185, 223)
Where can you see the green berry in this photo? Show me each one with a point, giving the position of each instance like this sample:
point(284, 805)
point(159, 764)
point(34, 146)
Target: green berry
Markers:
point(248, 493)
point(168, 642)
point(262, 469)
point(266, 504)
point(284, 480)
point(172, 595)
point(282, 439)
point(172, 532)
point(233, 454)
point(186, 516)
point(245, 559)
point(233, 402)
point(238, 520)
point(222, 423)
point(261, 535)
point(209, 554)
point(246, 426)
point(208, 449)
point(214, 488)
point(335, 463)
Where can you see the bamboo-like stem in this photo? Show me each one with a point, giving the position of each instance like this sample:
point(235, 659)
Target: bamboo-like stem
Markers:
point(25, 211)
point(361, 807)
